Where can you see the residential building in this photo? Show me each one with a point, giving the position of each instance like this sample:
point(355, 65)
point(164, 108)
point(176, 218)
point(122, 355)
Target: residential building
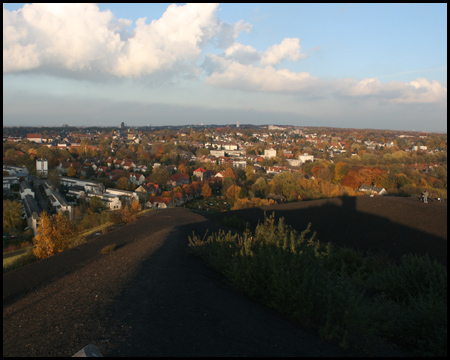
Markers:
point(42, 168)
point(60, 203)
point(270, 153)
point(128, 196)
point(374, 190)
point(37, 138)
point(25, 189)
point(10, 180)
point(178, 179)
point(136, 178)
point(89, 186)
point(111, 201)
point(32, 212)
point(306, 157)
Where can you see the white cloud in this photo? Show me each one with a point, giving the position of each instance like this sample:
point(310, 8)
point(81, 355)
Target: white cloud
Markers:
point(70, 36)
point(288, 49)
point(244, 54)
point(235, 75)
point(236, 69)
point(81, 38)
point(416, 91)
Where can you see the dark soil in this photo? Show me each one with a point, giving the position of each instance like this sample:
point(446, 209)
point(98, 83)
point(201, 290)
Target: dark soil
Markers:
point(150, 298)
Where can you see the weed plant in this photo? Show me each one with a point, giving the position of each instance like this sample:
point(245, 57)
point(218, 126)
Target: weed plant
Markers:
point(340, 293)
point(108, 249)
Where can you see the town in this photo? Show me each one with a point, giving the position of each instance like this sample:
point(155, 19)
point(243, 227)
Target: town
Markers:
point(84, 171)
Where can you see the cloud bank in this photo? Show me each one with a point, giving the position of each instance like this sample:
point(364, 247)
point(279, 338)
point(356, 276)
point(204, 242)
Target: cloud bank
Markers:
point(80, 40)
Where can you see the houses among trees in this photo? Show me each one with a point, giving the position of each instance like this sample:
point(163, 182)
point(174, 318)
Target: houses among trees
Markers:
point(249, 165)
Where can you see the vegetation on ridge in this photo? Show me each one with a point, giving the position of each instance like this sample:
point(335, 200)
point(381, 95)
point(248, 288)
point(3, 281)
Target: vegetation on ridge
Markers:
point(338, 292)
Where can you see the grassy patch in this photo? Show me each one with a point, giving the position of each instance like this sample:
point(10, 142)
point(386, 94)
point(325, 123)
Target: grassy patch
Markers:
point(342, 295)
point(108, 249)
point(19, 260)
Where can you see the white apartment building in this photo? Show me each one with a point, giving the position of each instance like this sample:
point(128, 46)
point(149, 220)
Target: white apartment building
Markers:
point(271, 153)
point(305, 157)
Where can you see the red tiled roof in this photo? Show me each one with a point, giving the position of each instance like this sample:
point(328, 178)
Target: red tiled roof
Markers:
point(178, 177)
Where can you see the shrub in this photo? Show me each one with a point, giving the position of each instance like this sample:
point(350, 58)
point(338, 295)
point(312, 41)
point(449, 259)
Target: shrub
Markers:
point(108, 249)
point(340, 293)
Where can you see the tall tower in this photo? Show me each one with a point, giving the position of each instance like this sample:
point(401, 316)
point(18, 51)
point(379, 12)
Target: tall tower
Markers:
point(237, 123)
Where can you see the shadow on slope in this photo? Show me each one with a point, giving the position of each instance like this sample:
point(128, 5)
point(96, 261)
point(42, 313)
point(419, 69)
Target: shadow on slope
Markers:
point(391, 226)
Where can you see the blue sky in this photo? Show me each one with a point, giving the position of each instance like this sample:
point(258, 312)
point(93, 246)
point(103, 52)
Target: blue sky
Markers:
point(381, 66)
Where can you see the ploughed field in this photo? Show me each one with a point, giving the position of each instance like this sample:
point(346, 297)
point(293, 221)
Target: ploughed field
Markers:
point(150, 298)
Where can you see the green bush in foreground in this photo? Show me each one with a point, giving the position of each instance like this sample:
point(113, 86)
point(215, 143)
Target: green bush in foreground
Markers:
point(337, 292)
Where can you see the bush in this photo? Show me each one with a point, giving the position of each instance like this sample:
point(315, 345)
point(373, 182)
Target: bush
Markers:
point(340, 293)
point(108, 249)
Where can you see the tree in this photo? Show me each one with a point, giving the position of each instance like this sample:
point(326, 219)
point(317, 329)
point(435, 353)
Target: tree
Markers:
point(54, 235)
point(54, 178)
point(95, 202)
point(44, 246)
point(71, 171)
point(206, 191)
point(159, 176)
point(122, 183)
point(135, 207)
point(229, 173)
point(233, 192)
point(12, 215)
point(182, 168)
point(63, 231)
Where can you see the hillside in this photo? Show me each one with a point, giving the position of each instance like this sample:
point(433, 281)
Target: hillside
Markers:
point(150, 298)
point(392, 225)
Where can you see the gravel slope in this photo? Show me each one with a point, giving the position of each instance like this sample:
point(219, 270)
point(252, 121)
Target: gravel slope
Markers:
point(149, 298)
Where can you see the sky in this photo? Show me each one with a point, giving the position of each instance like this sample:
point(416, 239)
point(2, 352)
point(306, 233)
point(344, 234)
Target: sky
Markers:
point(364, 66)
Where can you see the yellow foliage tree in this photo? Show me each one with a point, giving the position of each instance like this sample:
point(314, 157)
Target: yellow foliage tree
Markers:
point(233, 192)
point(135, 207)
point(53, 235)
point(63, 230)
point(43, 240)
point(206, 191)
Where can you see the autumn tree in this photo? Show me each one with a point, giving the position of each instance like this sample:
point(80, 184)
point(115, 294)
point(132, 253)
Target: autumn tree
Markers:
point(233, 192)
point(206, 191)
point(63, 230)
point(122, 183)
point(12, 215)
point(54, 234)
point(135, 207)
point(182, 168)
point(71, 171)
point(229, 173)
point(44, 245)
